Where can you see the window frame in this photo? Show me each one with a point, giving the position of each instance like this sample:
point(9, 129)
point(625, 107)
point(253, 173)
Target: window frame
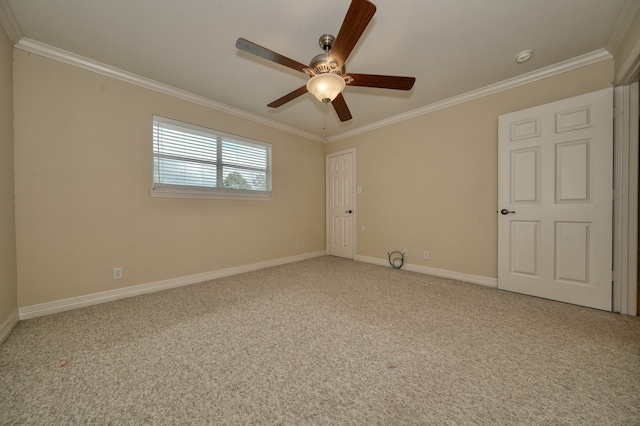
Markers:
point(168, 190)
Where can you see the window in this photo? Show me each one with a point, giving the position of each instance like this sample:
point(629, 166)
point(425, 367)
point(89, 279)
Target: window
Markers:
point(191, 161)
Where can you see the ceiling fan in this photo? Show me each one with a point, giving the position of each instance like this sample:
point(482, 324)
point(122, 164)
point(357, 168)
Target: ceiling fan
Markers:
point(327, 72)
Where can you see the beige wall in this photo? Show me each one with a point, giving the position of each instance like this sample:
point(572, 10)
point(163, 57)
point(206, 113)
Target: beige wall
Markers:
point(430, 183)
point(83, 173)
point(83, 170)
point(8, 281)
point(628, 44)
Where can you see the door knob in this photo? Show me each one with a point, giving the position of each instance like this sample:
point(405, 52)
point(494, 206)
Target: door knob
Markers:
point(505, 211)
point(349, 211)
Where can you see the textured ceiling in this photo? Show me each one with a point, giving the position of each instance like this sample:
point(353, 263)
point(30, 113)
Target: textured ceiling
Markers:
point(451, 47)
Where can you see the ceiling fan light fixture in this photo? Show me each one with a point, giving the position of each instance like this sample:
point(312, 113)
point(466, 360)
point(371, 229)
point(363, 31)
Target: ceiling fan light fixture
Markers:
point(325, 87)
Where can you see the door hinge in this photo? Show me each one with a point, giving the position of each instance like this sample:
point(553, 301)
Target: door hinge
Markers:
point(614, 276)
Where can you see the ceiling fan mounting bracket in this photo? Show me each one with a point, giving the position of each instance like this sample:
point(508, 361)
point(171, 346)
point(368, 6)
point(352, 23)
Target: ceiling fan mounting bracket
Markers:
point(326, 42)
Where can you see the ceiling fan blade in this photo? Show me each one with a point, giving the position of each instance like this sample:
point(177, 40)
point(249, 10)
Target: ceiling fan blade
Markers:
point(355, 22)
point(288, 97)
point(340, 105)
point(270, 55)
point(381, 81)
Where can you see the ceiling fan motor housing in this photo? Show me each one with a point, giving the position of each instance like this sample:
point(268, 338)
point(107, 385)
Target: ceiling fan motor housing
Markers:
point(323, 63)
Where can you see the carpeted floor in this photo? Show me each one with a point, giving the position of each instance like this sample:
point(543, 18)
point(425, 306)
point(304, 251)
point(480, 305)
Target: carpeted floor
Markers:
point(323, 342)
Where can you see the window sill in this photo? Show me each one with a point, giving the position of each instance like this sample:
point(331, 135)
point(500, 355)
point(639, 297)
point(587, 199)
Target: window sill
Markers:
point(174, 193)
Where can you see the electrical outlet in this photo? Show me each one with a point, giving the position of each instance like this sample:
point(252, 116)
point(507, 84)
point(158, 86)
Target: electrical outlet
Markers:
point(117, 273)
point(297, 246)
point(363, 228)
point(426, 255)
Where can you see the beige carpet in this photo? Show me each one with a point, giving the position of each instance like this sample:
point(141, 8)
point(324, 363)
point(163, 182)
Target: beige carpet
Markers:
point(325, 341)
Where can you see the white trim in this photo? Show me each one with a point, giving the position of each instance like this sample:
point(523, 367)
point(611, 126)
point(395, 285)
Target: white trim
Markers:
point(64, 56)
point(625, 200)
point(48, 308)
point(618, 235)
point(559, 68)
point(634, 173)
point(353, 191)
point(632, 229)
point(61, 55)
point(8, 325)
point(625, 207)
point(443, 273)
point(624, 19)
point(208, 195)
point(628, 72)
point(9, 23)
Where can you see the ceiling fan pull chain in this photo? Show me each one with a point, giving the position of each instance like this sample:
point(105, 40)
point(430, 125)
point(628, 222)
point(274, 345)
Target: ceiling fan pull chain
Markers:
point(324, 117)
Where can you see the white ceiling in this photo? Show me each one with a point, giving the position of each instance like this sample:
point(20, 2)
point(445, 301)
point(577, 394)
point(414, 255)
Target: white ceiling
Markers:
point(452, 47)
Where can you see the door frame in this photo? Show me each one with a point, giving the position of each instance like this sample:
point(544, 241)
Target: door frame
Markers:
point(625, 259)
point(625, 205)
point(327, 227)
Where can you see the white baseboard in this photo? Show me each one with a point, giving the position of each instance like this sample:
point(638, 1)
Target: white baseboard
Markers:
point(48, 308)
point(42, 309)
point(474, 279)
point(8, 325)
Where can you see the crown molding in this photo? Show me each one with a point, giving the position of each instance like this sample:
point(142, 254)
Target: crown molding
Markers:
point(559, 68)
point(625, 17)
point(64, 56)
point(67, 57)
point(9, 23)
point(630, 69)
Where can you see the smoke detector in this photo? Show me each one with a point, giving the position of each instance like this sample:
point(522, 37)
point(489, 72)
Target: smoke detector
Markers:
point(524, 56)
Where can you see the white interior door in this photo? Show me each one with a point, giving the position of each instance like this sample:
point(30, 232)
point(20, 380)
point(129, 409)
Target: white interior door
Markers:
point(340, 204)
point(555, 196)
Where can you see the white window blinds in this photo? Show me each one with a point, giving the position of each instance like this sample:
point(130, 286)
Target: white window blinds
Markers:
point(190, 158)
